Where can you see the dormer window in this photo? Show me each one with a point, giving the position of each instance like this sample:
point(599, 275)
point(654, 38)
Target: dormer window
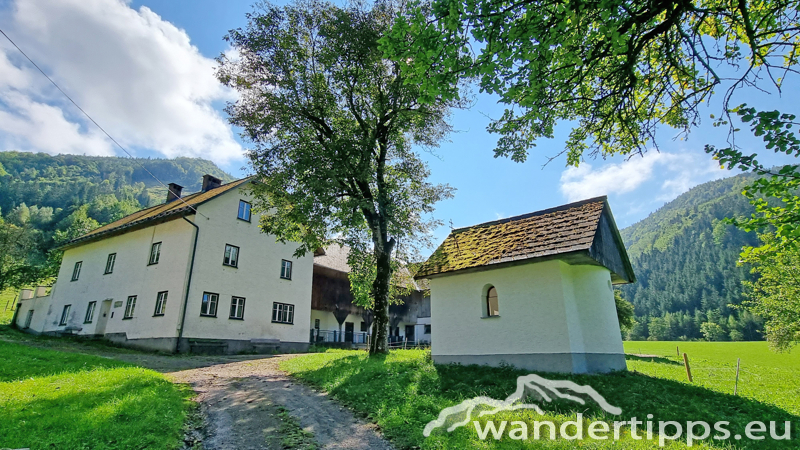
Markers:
point(492, 306)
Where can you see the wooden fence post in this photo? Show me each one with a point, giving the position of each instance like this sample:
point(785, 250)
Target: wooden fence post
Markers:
point(736, 386)
point(678, 349)
point(688, 369)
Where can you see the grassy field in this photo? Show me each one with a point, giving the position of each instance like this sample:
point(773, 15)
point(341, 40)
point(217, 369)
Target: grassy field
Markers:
point(765, 376)
point(67, 400)
point(403, 391)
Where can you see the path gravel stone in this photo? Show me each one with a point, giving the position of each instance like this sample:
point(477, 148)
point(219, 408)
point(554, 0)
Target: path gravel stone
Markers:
point(239, 400)
point(241, 397)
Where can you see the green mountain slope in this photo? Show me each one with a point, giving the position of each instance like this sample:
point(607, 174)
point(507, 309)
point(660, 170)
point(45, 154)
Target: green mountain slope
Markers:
point(685, 263)
point(47, 200)
point(64, 181)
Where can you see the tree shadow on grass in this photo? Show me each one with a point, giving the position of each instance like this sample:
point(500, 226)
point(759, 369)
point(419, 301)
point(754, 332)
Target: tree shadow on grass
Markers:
point(403, 396)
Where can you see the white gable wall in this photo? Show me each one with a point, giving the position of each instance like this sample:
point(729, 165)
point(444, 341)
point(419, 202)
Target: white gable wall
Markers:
point(257, 277)
point(553, 317)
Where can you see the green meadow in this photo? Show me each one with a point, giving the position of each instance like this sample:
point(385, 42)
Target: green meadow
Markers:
point(66, 400)
point(403, 391)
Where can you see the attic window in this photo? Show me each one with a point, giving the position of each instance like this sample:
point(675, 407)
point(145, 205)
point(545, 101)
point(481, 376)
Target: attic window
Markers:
point(492, 307)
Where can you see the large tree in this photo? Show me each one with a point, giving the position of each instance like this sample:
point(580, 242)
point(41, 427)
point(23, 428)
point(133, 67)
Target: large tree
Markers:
point(332, 124)
point(21, 260)
point(617, 69)
point(620, 70)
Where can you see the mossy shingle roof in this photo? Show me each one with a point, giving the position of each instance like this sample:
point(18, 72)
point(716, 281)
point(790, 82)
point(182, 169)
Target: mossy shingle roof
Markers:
point(561, 230)
point(155, 214)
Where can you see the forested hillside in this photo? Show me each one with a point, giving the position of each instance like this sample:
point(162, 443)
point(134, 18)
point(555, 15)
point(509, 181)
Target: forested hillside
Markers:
point(46, 200)
point(685, 260)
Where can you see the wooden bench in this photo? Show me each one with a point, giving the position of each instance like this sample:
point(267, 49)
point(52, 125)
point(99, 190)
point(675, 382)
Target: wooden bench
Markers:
point(208, 346)
point(265, 345)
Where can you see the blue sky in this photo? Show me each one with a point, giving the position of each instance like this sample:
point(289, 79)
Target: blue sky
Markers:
point(144, 70)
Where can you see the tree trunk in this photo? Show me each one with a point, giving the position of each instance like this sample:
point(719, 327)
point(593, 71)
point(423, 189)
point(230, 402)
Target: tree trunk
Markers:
point(380, 291)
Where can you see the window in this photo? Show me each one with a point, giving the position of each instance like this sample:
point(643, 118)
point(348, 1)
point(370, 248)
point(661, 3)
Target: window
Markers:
point(316, 324)
point(129, 307)
point(237, 308)
point(155, 253)
point(286, 269)
point(89, 312)
point(209, 305)
point(161, 303)
point(492, 308)
point(427, 329)
point(244, 211)
point(363, 327)
point(282, 313)
point(112, 258)
point(29, 319)
point(76, 272)
point(231, 256)
point(64, 315)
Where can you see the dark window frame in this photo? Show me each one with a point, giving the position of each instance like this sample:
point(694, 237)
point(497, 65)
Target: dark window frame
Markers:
point(248, 209)
point(286, 263)
point(89, 316)
point(231, 313)
point(150, 261)
point(28, 319)
point(110, 262)
point(65, 315)
point(76, 270)
point(489, 302)
point(225, 256)
point(427, 329)
point(162, 302)
point(128, 314)
point(287, 312)
point(216, 304)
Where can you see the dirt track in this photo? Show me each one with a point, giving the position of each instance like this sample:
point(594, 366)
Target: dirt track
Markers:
point(240, 399)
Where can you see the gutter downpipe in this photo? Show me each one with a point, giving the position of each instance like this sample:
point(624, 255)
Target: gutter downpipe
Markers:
point(188, 283)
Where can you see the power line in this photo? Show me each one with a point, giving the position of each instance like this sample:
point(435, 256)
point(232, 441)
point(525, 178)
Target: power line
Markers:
point(93, 121)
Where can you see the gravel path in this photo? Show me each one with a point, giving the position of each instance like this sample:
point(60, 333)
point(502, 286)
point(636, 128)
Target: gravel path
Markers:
point(239, 400)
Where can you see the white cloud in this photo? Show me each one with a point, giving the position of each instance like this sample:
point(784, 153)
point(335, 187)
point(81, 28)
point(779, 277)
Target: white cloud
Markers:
point(666, 174)
point(136, 74)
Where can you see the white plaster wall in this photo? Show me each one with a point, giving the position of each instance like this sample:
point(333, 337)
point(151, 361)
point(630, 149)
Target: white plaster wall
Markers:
point(131, 276)
point(532, 314)
point(40, 306)
point(257, 277)
point(596, 310)
point(546, 307)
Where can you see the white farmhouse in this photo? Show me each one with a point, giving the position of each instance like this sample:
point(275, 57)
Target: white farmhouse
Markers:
point(194, 273)
point(533, 291)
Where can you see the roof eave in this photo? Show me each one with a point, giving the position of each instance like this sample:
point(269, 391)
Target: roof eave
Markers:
point(133, 226)
point(572, 257)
